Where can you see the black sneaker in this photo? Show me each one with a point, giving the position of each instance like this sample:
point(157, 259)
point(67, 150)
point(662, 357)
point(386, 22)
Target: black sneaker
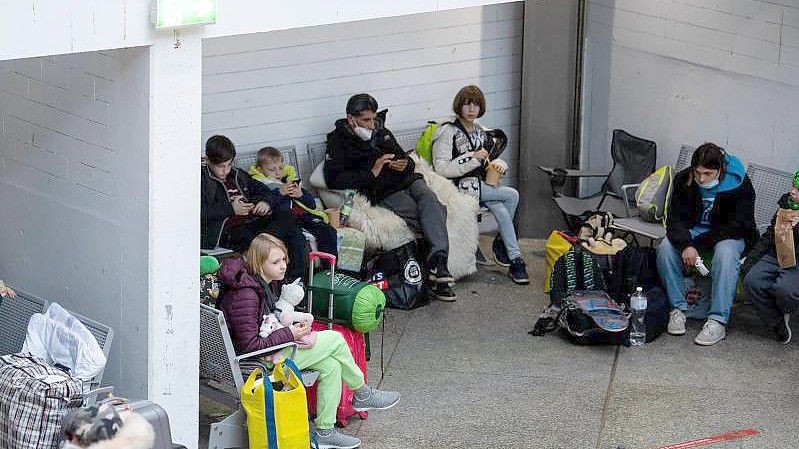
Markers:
point(518, 272)
point(481, 259)
point(782, 331)
point(500, 253)
point(443, 292)
point(437, 269)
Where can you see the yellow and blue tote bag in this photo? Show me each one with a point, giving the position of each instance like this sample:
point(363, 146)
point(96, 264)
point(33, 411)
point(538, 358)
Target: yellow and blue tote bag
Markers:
point(277, 418)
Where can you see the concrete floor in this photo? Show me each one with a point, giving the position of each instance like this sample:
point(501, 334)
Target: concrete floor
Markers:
point(471, 376)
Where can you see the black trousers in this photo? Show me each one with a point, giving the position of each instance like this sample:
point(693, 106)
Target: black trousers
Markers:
point(280, 224)
point(326, 236)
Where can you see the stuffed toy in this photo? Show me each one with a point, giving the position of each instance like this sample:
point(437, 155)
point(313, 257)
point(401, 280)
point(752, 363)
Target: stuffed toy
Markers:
point(596, 235)
point(269, 324)
point(208, 265)
point(209, 289)
point(290, 296)
point(209, 285)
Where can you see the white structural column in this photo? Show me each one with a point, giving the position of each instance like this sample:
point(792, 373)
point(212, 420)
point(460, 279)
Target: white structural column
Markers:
point(174, 325)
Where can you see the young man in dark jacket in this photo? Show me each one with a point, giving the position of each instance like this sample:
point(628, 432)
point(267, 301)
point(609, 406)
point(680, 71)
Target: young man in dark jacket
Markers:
point(363, 155)
point(711, 208)
point(235, 208)
point(774, 290)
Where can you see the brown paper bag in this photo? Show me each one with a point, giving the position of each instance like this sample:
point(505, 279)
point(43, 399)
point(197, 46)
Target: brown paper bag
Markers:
point(783, 238)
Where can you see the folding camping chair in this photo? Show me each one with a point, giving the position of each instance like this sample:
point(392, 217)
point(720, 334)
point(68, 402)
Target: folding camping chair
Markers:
point(633, 160)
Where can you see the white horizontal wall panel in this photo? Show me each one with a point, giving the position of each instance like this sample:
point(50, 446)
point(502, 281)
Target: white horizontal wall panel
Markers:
point(48, 27)
point(689, 71)
point(288, 87)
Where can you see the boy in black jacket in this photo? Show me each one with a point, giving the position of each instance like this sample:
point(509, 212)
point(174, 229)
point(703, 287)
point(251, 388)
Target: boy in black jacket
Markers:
point(775, 290)
point(711, 208)
point(363, 155)
point(235, 208)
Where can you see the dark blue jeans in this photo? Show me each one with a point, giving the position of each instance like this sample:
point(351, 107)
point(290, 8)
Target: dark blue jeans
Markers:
point(774, 291)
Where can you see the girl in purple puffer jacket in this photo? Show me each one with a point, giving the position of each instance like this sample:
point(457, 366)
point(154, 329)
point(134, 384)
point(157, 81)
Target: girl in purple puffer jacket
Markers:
point(252, 284)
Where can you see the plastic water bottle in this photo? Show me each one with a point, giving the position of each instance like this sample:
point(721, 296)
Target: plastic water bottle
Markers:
point(346, 207)
point(638, 317)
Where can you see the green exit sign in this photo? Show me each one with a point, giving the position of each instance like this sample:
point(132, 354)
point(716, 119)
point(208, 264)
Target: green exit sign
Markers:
point(179, 13)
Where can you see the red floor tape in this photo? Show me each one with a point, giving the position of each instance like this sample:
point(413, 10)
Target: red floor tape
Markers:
point(729, 436)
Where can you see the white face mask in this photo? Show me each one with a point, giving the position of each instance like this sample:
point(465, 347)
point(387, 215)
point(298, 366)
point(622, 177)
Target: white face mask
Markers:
point(709, 184)
point(364, 133)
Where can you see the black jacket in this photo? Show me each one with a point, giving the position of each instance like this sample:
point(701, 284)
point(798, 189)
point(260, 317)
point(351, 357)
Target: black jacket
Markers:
point(215, 205)
point(350, 160)
point(766, 243)
point(732, 217)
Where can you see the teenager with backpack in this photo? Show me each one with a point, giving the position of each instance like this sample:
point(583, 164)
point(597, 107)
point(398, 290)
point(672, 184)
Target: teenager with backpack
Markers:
point(774, 286)
point(462, 150)
point(712, 208)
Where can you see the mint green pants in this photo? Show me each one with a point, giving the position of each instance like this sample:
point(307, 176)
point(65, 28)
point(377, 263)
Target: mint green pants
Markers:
point(331, 357)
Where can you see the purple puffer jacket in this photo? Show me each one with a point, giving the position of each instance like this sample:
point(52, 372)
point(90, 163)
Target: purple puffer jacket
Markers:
point(244, 304)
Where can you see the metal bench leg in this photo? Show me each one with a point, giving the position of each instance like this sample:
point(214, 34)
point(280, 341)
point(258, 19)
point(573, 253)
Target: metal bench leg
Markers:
point(229, 433)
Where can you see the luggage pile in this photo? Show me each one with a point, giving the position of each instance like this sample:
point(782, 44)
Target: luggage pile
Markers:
point(589, 279)
point(46, 396)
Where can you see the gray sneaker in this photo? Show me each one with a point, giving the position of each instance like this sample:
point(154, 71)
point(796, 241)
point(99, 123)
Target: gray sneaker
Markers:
point(369, 398)
point(676, 322)
point(712, 332)
point(333, 439)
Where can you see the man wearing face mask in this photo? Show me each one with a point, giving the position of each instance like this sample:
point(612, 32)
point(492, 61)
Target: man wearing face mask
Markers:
point(362, 154)
point(712, 208)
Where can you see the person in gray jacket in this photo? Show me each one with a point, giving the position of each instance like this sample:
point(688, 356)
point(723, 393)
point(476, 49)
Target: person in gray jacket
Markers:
point(461, 152)
point(774, 290)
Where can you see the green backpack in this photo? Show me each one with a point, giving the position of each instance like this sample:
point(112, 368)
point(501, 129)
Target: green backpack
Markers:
point(652, 196)
point(424, 145)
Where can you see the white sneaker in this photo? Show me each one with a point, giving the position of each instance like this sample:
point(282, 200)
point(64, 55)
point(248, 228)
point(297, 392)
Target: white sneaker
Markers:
point(712, 333)
point(676, 322)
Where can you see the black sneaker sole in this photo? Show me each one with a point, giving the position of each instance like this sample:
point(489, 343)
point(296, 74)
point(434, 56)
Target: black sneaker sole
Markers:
point(525, 281)
point(500, 263)
point(440, 280)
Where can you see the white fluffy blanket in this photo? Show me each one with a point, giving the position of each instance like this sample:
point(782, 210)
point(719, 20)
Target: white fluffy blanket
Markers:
point(385, 230)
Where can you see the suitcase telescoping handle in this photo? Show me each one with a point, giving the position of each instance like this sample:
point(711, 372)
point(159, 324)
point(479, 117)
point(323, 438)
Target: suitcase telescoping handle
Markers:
point(332, 259)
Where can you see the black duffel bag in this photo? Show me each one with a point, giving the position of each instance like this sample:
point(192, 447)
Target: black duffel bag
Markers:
point(399, 274)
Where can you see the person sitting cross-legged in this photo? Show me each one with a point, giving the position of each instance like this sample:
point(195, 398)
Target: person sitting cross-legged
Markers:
point(362, 154)
point(774, 289)
point(461, 150)
point(711, 208)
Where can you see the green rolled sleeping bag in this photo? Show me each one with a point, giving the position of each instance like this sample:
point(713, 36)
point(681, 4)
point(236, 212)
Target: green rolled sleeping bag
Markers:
point(358, 305)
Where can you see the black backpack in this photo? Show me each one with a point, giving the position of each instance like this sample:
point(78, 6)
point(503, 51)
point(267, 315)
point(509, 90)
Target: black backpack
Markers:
point(575, 270)
point(400, 275)
point(586, 318)
point(627, 269)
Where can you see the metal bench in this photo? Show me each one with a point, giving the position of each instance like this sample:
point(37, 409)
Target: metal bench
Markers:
point(15, 314)
point(222, 374)
point(245, 160)
point(407, 139)
point(770, 184)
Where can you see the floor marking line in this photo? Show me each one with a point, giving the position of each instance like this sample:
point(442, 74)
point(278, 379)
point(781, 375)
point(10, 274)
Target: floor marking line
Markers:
point(729, 436)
